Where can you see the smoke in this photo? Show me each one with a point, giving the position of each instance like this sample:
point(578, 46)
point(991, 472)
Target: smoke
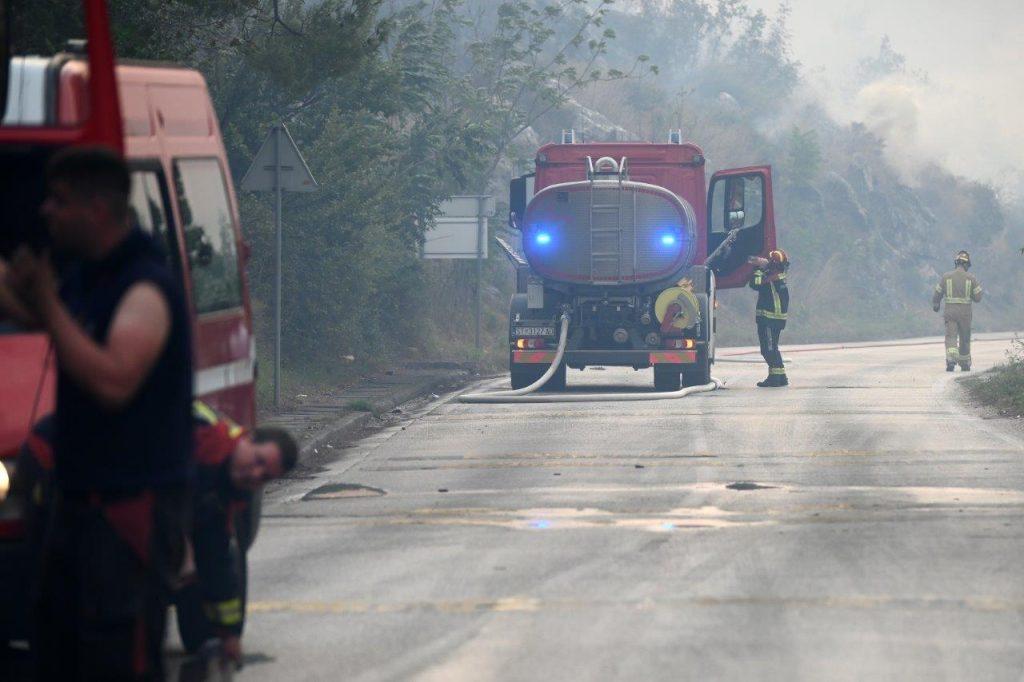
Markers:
point(956, 100)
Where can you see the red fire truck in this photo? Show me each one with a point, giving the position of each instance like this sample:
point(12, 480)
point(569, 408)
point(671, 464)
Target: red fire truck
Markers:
point(617, 235)
point(160, 117)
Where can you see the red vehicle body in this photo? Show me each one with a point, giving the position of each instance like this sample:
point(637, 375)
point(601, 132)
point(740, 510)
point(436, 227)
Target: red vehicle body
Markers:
point(609, 230)
point(160, 117)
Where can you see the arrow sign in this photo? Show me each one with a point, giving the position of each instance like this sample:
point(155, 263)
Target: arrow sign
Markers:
point(294, 173)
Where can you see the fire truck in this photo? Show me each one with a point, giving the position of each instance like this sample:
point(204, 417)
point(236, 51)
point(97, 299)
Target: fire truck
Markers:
point(617, 236)
point(161, 118)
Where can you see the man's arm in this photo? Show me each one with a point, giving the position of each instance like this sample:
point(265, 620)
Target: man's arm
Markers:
point(219, 581)
point(757, 279)
point(937, 297)
point(111, 372)
point(12, 308)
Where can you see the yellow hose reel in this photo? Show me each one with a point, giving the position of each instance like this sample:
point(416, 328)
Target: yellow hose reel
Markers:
point(689, 308)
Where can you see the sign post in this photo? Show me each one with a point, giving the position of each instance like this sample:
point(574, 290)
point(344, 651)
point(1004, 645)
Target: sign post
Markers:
point(460, 231)
point(278, 167)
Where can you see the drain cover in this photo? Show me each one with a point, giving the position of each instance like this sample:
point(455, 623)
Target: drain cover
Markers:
point(338, 491)
point(748, 486)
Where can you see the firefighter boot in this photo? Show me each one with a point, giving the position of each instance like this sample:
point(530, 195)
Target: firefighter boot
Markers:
point(776, 378)
point(950, 366)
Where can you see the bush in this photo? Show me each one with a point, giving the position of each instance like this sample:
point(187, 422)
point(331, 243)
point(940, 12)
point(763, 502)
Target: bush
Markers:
point(1003, 386)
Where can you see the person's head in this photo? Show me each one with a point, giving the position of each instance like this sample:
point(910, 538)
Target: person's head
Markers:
point(778, 261)
point(962, 260)
point(265, 454)
point(86, 205)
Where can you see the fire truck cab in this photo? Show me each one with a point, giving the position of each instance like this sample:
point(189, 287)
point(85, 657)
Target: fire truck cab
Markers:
point(160, 116)
point(618, 237)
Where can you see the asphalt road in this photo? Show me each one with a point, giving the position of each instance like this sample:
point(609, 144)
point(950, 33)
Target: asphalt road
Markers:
point(864, 523)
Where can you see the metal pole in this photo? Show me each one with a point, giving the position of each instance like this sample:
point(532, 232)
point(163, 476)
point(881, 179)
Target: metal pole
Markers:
point(277, 267)
point(481, 235)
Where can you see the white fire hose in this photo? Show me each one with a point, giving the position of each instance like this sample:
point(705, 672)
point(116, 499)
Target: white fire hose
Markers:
point(522, 395)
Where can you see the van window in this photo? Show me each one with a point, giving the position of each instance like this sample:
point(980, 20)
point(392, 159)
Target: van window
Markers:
point(209, 234)
point(145, 204)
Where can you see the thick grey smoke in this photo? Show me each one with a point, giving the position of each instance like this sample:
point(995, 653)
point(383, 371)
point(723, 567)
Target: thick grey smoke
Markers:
point(959, 101)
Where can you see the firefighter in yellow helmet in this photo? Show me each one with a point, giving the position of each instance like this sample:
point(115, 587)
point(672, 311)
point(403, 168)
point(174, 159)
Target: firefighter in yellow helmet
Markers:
point(960, 289)
point(769, 281)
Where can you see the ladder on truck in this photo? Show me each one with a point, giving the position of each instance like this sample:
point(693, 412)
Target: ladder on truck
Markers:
point(606, 219)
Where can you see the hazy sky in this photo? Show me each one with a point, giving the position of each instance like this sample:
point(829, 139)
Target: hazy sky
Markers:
point(971, 113)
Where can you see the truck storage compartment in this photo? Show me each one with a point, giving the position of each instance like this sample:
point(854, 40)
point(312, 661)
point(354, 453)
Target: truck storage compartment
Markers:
point(609, 231)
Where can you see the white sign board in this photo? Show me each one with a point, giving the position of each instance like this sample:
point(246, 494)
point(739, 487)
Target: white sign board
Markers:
point(294, 173)
point(454, 238)
point(458, 228)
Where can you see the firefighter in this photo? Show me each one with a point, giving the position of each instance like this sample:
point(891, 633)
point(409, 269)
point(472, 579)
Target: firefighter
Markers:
point(960, 289)
point(231, 465)
point(769, 281)
point(119, 327)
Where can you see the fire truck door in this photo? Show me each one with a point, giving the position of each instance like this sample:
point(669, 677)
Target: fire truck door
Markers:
point(740, 199)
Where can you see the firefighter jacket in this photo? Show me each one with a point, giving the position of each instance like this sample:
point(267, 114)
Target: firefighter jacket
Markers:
point(959, 288)
point(215, 503)
point(772, 297)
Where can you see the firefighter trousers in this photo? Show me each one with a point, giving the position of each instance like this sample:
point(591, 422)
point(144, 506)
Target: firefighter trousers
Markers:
point(102, 594)
point(958, 334)
point(768, 336)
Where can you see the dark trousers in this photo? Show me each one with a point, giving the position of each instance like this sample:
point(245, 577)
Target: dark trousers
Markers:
point(102, 597)
point(768, 336)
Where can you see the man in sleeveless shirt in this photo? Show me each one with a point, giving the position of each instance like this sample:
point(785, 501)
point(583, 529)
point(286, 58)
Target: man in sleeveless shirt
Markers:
point(122, 431)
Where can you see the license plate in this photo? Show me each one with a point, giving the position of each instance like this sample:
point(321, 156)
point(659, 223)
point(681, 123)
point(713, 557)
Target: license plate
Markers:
point(535, 331)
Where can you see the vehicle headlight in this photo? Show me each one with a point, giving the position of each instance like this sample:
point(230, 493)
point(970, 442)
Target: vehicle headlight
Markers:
point(5, 482)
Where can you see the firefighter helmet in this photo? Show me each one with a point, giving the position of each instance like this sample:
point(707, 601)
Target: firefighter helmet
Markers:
point(778, 260)
point(962, 258)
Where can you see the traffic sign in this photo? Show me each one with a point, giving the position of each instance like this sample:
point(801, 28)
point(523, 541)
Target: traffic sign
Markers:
point(278, 167)
point(278, 157)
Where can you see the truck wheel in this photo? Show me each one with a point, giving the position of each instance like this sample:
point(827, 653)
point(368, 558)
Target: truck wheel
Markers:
point(667, 377)
point(524, 375)
point(557, 380)
point(698, 374)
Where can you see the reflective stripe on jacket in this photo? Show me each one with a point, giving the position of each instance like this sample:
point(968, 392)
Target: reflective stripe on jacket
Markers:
point(772, 297)
point(957, 287)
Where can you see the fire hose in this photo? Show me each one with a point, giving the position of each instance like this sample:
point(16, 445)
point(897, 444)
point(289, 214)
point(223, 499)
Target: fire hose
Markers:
point(523, 395)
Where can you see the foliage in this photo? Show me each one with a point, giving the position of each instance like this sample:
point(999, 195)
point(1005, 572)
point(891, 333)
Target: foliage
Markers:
point(398, 104)
point(1003, 387)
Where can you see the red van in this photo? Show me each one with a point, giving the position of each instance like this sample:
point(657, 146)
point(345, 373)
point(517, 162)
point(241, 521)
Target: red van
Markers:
point(161, 118)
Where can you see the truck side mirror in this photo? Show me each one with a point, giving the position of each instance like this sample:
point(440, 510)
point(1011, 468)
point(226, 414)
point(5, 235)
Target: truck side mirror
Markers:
point(5, 55)
point(520, 191)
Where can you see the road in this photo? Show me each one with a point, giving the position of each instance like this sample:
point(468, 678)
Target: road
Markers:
point(864, 523)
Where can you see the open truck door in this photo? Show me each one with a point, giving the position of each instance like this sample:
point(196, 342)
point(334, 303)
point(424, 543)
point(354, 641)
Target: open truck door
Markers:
point(740, 199)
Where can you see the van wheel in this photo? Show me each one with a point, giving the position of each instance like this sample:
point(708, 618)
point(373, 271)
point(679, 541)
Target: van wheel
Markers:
point(698, 374)
point(667, 377)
